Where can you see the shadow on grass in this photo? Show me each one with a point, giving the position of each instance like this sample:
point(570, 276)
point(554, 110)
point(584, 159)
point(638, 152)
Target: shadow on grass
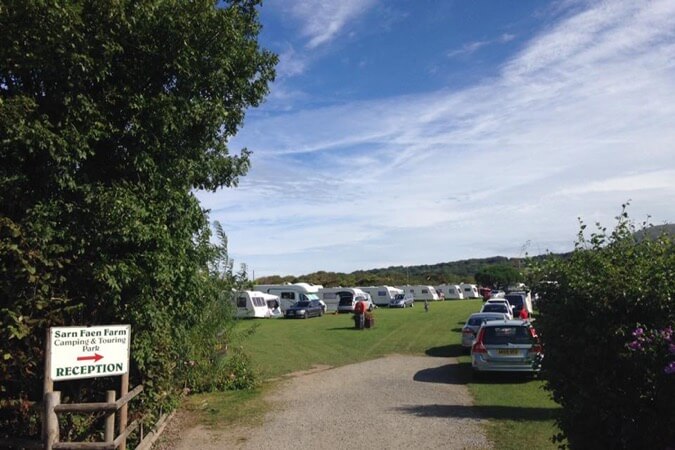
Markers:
point(447, 351)
point(343, 328)
point(456, 330)
point(502, 378)
point(483, 412)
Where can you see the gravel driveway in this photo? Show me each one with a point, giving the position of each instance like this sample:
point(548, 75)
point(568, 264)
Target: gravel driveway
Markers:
point(395, 402)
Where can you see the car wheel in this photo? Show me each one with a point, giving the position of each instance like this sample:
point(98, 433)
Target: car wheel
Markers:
point(321, 312)
point(305, 316)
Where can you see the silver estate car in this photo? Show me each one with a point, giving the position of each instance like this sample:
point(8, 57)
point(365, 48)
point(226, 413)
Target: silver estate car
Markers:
point(473, 323)
point(506, 346)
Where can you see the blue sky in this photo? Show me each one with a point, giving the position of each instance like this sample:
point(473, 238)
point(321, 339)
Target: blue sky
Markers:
point(404, 132)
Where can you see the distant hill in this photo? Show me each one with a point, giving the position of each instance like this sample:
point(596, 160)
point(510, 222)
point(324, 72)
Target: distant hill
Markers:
point(434, 274)
point(656, 231)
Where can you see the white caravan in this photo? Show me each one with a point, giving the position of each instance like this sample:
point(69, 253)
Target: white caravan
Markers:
point(382, 295)
point(343, 299)
point(420, 292)
point(256, 304)
point(469, 290)
point(450, 291)
point(289, 294)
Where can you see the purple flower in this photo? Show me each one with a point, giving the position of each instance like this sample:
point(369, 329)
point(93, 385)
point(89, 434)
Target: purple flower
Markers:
point(638, 332)
point(671, 348)
point(667, 333)
point(635, 345)
point(670, 368)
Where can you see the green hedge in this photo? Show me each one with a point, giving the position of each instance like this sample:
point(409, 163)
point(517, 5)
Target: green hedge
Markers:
point(606, 318)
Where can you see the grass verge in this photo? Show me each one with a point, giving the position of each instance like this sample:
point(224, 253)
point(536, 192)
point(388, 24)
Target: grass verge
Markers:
point(518, 409)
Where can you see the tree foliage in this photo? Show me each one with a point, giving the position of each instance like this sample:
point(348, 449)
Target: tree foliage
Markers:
point(600, 313)
point(111, 114)
point(498, 276)
point(432, 274)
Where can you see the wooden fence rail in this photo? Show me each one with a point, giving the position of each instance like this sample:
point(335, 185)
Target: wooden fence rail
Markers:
point(53, 407)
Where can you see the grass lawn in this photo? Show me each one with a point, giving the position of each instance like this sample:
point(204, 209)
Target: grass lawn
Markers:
point(518, 409)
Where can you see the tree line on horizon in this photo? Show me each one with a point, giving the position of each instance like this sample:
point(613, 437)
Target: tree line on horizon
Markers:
point(494, 271)
point(455, 272)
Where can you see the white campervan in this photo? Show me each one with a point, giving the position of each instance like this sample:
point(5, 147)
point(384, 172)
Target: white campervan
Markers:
point(382, 295)
point(256, 304)
point(289, 294)
point(343, 299)
point(469, 290)
point(450, 291)
point(420, 292)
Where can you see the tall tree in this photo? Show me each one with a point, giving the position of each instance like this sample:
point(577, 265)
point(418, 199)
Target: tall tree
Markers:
point(111, 114)
point(498, 276)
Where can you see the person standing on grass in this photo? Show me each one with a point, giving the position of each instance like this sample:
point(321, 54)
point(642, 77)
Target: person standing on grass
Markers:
point(426, 305)
point(360, 311)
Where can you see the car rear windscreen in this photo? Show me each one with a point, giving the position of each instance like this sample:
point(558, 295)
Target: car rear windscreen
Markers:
point(507, 335)
point(477, 321)
point(495, 307)
point(515, 300)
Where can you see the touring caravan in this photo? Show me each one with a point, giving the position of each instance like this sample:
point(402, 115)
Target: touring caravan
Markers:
point(343, 299)
point(469, 290)
point(291, 293)
point(256, 304)
point(450, 291)
point(382, 295)
point(420, 292)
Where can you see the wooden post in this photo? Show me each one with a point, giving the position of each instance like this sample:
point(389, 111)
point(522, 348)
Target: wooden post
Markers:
point(51, 426)
point(124, 389)
point(110, 419)
point(47, 383)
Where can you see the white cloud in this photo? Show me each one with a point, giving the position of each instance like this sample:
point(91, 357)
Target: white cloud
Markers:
point(662, 180)
point(578, 122)
point(291, 63)
point(471, 47)
point(323, 20)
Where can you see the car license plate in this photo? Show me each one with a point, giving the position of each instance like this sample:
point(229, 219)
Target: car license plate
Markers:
point(508, 351)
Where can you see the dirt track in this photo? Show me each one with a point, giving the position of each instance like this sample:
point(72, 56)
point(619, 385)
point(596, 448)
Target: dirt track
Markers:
point(396, 402)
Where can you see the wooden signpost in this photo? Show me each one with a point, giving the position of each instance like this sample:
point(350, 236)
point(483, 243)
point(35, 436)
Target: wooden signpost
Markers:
point(88, 352)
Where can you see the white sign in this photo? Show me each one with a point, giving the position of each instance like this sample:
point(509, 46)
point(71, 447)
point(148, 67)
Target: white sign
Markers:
point(89, 352)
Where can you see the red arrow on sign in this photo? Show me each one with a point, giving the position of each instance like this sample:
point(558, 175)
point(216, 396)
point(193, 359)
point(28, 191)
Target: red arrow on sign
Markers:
point(96, 357)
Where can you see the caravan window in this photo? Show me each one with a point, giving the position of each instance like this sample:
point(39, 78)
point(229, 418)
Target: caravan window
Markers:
point(241, 302)
point(381, 293)
point(425, 291)
point(329, 295)
point(467, 289)
point(258, 301)
point(288, 295)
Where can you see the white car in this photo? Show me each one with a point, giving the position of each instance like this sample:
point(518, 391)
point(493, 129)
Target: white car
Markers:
point(501, 301)
point(497, 307)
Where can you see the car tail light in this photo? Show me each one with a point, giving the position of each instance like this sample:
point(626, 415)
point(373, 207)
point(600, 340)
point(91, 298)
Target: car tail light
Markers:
point(536, 347)
point(467, 331)
point(478, 346)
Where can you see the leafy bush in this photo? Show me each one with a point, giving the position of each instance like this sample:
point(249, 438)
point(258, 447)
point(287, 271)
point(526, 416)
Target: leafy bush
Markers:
point(111, 115)
point(604, 316)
